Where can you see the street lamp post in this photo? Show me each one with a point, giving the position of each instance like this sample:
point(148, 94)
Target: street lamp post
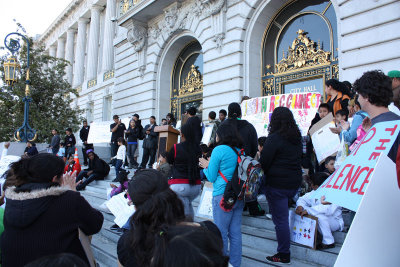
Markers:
point(25, 133)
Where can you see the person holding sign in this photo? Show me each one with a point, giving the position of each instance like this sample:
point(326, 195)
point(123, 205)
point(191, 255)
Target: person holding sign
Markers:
point(329, 215)
point(375, 94)
point(281, 161)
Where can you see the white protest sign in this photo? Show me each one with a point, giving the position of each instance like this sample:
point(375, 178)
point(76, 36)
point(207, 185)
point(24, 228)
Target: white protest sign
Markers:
point(118, 205)
point(373, 238)
point(207, 133)
point(347, 185)
point(100, 131)
point(324, 141)
point(5, 161)
point(302, 230)
point(205, 209)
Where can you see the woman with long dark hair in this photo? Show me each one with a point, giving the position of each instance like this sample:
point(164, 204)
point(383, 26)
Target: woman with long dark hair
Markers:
point(219, 170)
point(156, 205)
point(185, 179)
point(338, 95)
point(281, 162)
point(43, 212)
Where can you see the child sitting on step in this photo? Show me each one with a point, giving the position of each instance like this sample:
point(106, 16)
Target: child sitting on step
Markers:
point(329, 215)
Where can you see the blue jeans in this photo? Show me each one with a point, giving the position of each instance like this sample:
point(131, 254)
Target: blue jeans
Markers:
point(187, 193)
point(55, 150)
point(131, 154)
point(278, 206)
point(118, 165)
point(229, 223)
point(89, 179)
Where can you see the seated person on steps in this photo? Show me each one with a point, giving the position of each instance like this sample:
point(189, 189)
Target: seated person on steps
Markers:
point(329, 215)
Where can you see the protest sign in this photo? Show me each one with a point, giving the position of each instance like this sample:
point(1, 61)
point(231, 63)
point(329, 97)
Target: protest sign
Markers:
point(347, 185)
point(258, 110)
point(205, 207)
point(373, 238)
point(207, 133)
point(303, 230)
point(118, 205)
point(5, 162)
point(324, 141)
point(100, 131)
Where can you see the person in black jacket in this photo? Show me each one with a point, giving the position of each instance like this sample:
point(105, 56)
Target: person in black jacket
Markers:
point(30, 149)
point(70, 142)
point(43, 212)
point(132, 135)
point(150, 143)
point(281, 162)
point(98, 170)
point(250, 145)
point(83, 134)
point(195, 123)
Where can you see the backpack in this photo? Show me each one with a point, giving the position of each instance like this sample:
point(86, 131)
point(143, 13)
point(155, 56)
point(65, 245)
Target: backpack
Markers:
point(245, 183)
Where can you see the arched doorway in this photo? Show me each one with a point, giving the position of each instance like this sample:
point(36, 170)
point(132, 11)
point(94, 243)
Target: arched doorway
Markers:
point(187, 80)
point(299, 48)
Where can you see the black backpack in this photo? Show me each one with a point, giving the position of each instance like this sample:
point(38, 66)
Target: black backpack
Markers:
point(245, 182)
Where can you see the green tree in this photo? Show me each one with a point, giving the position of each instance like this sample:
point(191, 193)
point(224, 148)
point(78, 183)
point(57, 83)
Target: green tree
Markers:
point(51, 106)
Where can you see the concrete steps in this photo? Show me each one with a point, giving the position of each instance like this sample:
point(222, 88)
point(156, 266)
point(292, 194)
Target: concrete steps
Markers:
point(258, 234)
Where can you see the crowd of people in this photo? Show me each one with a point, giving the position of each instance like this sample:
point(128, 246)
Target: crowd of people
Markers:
point(44, 211)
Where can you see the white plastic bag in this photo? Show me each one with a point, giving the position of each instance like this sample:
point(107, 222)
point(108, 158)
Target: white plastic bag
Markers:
point(342, 153)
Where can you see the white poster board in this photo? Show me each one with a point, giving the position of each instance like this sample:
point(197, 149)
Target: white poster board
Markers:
point(100, 131)
point(205, 209)
point(303, 230)
point(324, 141)
point(207, 133)
point(373, 238)
point(118, 205)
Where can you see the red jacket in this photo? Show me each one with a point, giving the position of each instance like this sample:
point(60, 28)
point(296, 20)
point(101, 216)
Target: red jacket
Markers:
point(76, 167)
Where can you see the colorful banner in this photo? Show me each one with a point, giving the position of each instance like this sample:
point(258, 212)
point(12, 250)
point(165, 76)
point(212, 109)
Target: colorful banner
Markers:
point(258, 110)
point(347, 185)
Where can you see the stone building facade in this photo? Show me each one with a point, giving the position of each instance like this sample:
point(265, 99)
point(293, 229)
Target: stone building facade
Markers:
point(152, 57)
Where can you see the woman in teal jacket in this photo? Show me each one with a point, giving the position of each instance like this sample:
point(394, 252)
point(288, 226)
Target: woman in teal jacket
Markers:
point(223, 160)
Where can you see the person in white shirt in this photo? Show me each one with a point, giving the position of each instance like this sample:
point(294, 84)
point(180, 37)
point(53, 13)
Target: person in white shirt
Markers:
point(121, 155)
point(329, 215)
point(5, 150)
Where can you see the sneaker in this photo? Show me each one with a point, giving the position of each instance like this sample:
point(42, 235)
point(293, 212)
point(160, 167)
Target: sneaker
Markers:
point(324, 246)
point(269, 216)
point(279, 258)
point(115, 180)
point(114, 227)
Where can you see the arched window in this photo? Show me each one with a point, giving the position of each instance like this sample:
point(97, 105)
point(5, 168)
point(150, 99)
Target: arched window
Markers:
point(300, 48)
point(187, 80)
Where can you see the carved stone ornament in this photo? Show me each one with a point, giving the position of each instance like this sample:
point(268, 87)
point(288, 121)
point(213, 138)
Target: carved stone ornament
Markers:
point(208, 7)
point(302, 53)
point(137, 36)
point(193, 82)
point(171, 16)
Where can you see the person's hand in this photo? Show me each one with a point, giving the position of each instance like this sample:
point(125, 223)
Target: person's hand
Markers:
point(336, 130)
point(147, 132)
point(119, 122)
point(69, 179)
point(203, 163)
point(304, 212)
point(89, 172)
point(345, 125)
point(85, 142)
point(299, 210)
point(7, 145)
point(323, 202)
point(367, 124)
point(113, 186)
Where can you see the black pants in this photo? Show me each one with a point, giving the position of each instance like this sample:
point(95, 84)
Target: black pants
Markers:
point(114, 150)
point(90, 178)
point(84, 149)
point(148, 153)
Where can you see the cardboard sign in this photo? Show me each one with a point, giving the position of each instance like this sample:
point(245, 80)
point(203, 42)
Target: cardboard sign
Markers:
point(207, 133)
point(373, 238)
point(85, 241)
point(324, 141)
point(258, 110)
point(118, 205)
point(303, 230)
point(347, 185)
point(205, 209)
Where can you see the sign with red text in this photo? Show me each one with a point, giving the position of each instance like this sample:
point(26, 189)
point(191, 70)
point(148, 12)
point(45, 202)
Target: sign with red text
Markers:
point(347, 185)
point(258, 110)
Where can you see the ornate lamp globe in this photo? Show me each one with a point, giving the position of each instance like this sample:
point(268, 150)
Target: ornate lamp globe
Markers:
point(10, 70)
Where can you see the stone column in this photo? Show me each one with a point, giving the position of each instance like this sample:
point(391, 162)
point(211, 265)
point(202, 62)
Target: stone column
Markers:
point(69, 54)
point(61, 48)
point(93, 48)
point(80, 52)
point(109, 28)
point(52, 53)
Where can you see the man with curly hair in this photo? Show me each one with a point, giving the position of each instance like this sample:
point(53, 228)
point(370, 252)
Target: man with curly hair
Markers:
point(375, 94)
